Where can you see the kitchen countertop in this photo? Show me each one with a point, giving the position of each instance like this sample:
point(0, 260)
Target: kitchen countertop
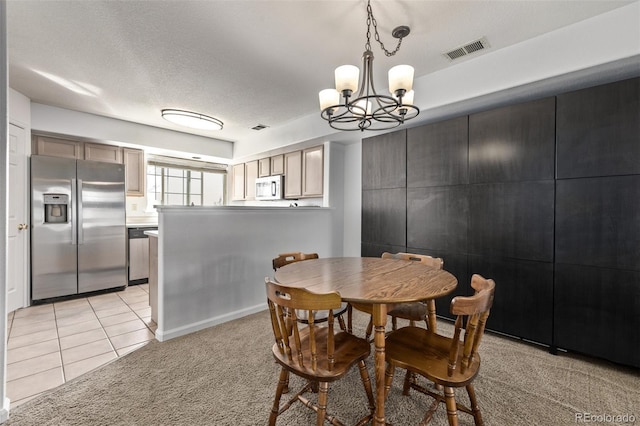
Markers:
point(151, 233)
point(142, 225)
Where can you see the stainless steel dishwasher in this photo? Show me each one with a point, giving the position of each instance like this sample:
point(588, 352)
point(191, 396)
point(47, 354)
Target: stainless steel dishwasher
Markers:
point(139, 254)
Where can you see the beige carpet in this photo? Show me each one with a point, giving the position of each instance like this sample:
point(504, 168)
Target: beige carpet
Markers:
point(225, 375)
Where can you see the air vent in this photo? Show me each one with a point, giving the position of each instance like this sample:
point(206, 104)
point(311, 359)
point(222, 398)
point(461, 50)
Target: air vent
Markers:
point(259, 127)
point(467, 49)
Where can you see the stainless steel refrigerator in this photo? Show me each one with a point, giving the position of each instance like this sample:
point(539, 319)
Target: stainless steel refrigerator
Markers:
point(78, 237)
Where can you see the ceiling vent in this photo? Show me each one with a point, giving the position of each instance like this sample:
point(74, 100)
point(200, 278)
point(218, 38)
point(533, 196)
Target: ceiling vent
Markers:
point(467, 49)
point(259, 127)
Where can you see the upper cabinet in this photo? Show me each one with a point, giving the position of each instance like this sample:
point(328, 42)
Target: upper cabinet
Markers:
point(133, 159)
point(250, 175)
point(264, 167)
point(304, 173)
point(134, 171)
point(312, 171)
point(55, 147)
point(293, 174)
point(277, 165)
point(102, 152)
point(237, 172)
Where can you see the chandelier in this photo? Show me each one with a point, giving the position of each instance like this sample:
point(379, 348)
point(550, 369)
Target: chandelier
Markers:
point(368, 110)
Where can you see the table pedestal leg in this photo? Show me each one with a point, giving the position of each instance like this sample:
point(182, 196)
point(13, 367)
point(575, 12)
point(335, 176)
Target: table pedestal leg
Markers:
point(379, 322)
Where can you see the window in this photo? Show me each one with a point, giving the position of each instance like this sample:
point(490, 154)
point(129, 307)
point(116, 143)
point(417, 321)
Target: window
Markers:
point(185, 183)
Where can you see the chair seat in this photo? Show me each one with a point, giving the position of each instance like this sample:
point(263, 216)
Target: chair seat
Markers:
point(349, 350)
point(427, 354)
point(414, 311)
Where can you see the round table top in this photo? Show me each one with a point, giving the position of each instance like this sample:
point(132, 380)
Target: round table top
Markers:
point(369, 279)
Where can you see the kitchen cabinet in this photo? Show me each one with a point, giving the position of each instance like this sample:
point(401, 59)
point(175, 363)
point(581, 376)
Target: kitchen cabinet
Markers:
point(250, 176)
point(134, 171)
point(277, 165)
point(264, 167)
point(304, 173)
point(237, 175)
point(293, 174)
point(312, 171)
point(56, 147)
point(102, 152)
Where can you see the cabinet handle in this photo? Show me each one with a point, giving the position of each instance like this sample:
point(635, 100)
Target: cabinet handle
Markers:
point(22, 226)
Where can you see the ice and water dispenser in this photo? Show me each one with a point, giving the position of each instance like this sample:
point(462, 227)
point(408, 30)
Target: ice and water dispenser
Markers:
point(56, 208)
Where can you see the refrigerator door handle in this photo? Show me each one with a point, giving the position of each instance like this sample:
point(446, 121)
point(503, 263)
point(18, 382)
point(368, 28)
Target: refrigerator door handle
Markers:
point(72, 220)
point(79, 217)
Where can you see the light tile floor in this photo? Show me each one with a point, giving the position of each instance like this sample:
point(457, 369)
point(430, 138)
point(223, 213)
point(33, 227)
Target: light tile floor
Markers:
point(51, 344)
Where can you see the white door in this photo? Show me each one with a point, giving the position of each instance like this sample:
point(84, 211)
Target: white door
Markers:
point(18, 221)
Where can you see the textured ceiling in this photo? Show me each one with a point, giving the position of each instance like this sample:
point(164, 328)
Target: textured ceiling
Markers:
point(244, 62)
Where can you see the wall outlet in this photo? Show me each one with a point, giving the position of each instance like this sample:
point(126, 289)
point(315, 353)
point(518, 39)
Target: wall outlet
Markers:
point(134, 207)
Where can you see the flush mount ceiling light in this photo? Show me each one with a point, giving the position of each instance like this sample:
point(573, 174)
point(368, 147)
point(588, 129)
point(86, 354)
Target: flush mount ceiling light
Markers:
point(191, 119)
point(368, 110)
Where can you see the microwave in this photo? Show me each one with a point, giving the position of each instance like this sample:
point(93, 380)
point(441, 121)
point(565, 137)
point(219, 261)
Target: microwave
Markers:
point(269, 188)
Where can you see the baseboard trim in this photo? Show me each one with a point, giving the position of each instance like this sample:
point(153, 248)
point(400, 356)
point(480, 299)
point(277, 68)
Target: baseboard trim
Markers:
point(4, 411)
point(164, 335)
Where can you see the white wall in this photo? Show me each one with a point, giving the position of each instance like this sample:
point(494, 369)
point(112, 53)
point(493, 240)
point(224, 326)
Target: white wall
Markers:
point(4, 193)
point(604, 39)
point(352, 199)
point(213, 260)
point(118, 132)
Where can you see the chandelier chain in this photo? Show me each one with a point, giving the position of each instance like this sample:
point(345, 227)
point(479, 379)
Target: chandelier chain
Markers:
point(372, 20)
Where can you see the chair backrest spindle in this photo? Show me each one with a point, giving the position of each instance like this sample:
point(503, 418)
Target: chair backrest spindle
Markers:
point(476, 310)
point(284, 303)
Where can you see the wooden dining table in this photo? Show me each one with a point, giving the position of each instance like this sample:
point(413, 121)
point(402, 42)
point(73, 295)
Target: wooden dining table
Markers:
point(371, 280)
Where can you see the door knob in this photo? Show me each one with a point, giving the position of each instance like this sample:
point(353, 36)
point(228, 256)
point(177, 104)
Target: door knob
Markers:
point(22, 226)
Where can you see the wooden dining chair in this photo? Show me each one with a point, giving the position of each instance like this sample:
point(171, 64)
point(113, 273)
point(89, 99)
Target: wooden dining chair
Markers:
point(416, 311)
point(311, 351)
point(284, 259)
point(412, 311)
point(448, 362)
point(287, 258)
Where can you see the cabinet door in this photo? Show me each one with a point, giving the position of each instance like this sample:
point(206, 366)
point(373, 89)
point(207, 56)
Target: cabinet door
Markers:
point(277, 165)
point(384, 161)
point(134, 171)
point(238, 182)
point(312, 171)
point(264, 167)
point(105, 153)
point(293, 174)
point(250, 175)
point(55, 147)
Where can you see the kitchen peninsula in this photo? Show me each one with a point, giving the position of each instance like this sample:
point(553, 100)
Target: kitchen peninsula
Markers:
point(212, 261)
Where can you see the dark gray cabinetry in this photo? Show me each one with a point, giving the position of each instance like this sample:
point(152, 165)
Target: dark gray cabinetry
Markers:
point(599, 131)
point(598, 222)
point(384, 161)
point(542, 196)
point(438, 154)
point(597, 238)
point(438, 218)
point(513, 143)
point(384, 195)
point(597, 312)
point(513, 220)
point(525, 300)
point(383, 216)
